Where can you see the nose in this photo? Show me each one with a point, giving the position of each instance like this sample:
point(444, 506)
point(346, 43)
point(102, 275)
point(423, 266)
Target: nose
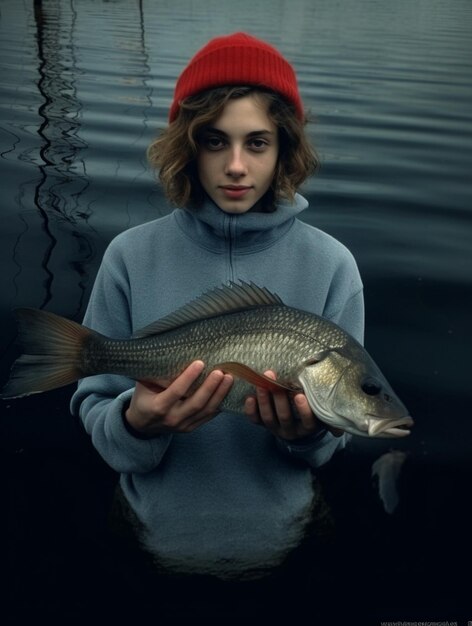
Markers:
point(235, 164)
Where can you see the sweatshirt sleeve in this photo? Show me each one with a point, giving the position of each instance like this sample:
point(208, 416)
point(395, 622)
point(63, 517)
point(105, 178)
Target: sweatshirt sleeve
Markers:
point(100, 401)
point(316, 450)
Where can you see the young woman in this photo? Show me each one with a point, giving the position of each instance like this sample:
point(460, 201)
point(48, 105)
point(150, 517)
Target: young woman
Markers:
point(214, 492)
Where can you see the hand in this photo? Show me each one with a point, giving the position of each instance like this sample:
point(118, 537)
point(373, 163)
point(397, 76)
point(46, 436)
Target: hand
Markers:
point(274, 410)
point(157, 410)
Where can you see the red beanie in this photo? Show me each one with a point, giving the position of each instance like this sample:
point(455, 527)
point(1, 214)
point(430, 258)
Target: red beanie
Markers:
point(237, 59)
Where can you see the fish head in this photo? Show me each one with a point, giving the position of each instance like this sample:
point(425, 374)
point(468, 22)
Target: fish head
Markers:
point(346, 390)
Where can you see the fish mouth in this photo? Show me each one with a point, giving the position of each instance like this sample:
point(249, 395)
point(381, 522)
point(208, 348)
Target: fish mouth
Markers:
point(389, 428)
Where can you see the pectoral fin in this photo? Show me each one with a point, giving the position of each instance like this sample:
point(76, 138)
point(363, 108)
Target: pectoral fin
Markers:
point(255, 378)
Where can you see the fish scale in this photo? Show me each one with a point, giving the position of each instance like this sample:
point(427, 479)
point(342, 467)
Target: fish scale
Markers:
point(242, 329)
point(258, 337)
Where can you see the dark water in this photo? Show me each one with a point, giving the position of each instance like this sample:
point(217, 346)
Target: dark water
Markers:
point(84, 87)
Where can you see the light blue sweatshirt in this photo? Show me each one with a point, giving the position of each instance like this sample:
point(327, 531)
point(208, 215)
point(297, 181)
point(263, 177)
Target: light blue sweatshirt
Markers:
point(229, 498)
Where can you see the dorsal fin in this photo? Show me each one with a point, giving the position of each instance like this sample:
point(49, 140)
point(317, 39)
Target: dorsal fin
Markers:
point(226, 299)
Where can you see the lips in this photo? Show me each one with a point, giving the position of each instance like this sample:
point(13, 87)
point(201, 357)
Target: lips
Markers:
point(235, 192)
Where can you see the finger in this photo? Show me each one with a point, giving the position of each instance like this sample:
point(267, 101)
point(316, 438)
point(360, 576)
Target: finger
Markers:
point(251, 410)
point(195, 421)
point(181, 385)
point(198, 401)
point(280, 403)
point(214, 402)
point(309, 420)
point(264, 402)
point(283, 408)
point(306, 415)
point(206, 413)
point(150, 386)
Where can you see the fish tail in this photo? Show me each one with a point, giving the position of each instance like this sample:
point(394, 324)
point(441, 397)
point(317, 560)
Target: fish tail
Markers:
point(51, 356)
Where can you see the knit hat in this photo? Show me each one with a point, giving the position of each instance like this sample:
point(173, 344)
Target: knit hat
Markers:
point(237, 59)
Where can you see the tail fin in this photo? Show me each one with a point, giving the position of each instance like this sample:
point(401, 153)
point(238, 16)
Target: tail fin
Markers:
point(52, 347)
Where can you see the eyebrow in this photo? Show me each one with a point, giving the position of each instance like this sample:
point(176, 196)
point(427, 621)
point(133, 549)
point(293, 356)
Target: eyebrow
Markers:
point(253, 133)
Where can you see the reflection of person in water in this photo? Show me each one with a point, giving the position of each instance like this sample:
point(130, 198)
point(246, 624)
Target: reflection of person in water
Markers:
point(213, 492)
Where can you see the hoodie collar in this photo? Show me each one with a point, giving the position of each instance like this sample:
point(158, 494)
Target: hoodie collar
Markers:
point(212, 228)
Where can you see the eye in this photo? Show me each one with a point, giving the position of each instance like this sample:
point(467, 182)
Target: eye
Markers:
point(371, 387)
point(258, 144)
point(213, 142)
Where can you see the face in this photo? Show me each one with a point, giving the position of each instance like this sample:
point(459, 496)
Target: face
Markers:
point(238, 155)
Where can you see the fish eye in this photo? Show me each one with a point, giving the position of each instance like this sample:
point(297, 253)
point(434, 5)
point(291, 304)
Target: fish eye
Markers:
point(371, 387)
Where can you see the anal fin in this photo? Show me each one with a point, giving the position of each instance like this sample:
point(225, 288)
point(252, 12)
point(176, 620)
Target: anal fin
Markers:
point(255, 378)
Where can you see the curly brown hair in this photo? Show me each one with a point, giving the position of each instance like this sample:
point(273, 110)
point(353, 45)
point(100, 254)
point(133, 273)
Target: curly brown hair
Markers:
point(174, 152)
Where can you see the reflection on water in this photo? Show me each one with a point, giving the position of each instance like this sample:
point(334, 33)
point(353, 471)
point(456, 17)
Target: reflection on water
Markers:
point(69, 167)
point(62, 171)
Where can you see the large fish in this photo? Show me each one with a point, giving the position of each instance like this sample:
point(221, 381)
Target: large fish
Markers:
point(241, 329)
